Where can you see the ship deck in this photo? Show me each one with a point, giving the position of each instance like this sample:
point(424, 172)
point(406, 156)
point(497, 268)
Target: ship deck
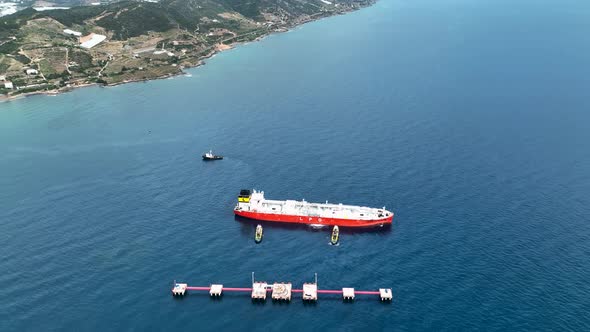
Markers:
point(324, 210)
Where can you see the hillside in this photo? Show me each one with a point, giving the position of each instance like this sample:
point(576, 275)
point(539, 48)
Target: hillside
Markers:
point(144, 40)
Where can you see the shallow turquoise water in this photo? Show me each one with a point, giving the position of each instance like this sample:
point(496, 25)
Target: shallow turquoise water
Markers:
point(469, 119)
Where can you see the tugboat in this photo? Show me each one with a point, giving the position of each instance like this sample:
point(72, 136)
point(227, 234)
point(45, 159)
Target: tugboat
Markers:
point(258, 236)
point(210, 156)
point(335, 235)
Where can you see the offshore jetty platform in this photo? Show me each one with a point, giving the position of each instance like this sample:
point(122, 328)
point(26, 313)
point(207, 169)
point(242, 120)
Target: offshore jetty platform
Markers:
point(281, 291)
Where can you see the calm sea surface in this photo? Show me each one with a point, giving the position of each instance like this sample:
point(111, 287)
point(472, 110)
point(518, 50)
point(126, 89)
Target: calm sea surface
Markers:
point(469, 119)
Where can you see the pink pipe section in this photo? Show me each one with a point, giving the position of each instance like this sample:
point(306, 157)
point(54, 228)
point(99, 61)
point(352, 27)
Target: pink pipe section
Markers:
point(320, 291)
point(228, 289)
point(356, 292)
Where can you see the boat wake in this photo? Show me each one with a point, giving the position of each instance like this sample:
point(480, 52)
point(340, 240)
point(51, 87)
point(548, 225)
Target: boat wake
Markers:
point(317, 226)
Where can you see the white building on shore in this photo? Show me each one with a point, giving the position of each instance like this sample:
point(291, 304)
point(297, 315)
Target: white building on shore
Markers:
point(91, 40)
point(44, 8)
point(72, 32)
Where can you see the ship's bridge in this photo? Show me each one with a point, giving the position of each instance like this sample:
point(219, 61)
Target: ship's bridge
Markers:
point(244, 196)
point(248, 199)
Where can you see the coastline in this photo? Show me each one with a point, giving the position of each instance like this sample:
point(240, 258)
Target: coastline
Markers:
point(216, 49)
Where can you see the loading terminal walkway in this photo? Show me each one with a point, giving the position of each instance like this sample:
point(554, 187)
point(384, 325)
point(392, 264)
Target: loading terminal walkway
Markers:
point(281, 291)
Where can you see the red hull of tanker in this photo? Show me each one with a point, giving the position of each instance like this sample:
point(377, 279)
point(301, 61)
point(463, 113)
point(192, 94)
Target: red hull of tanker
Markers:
point(314, 220)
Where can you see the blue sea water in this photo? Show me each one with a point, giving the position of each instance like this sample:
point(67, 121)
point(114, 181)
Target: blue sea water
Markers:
point(469, 119)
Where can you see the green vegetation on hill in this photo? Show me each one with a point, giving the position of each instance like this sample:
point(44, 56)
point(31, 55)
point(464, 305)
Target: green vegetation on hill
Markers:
point(145, 40)
point(135, 19)
point(75, 15)
point(11, 23)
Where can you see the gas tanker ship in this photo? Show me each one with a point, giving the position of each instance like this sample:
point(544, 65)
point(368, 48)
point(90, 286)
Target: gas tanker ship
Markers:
point(253, 205)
